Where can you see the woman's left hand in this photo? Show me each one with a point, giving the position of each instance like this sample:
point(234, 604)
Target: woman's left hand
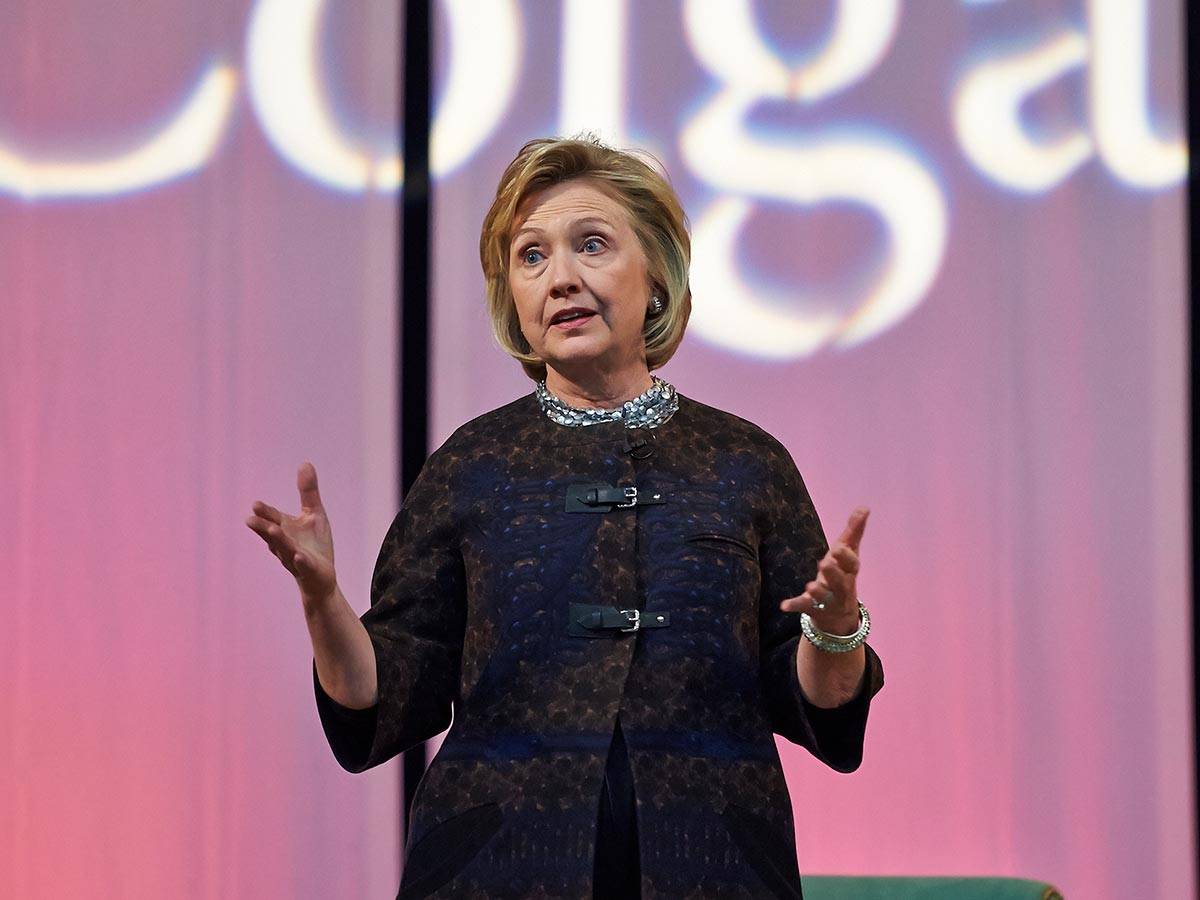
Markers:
point(832, 599)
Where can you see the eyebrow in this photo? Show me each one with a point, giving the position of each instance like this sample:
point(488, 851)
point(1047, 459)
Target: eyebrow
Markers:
point(578, 223)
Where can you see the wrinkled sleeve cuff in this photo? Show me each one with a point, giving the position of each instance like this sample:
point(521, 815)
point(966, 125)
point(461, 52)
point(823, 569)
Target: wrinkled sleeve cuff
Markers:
point(838, 733)
point(350, 732)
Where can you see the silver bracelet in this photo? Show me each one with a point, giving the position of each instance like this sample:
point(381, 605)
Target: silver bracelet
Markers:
point(837, 643)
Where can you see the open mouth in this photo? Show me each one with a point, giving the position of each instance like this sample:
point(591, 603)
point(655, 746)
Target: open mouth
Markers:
point(571, 318)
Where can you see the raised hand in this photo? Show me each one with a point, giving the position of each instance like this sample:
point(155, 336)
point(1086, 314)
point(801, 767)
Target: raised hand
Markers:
point(832, 598)
point(303, 543)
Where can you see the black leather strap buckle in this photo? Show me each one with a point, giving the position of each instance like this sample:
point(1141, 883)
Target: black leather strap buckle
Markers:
point(639, 442)
point(592, 620)
point(599, 497)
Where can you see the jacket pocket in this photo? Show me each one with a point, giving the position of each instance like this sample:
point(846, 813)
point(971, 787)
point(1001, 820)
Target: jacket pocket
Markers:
point(721, 541)
point(447, 848)
point(768, 853)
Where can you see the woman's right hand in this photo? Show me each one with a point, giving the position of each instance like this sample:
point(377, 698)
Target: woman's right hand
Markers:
point(303, 543)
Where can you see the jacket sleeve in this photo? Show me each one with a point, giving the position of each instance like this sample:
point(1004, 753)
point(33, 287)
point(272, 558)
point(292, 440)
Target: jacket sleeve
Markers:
point(416, 621)
point(791, 546)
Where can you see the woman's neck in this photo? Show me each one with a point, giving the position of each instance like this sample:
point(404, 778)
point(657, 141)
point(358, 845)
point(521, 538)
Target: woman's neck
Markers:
point(606, 390)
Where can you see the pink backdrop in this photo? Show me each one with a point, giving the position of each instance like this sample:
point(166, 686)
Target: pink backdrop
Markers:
point(170, 352)
point(1019, 433)
point(940, 254)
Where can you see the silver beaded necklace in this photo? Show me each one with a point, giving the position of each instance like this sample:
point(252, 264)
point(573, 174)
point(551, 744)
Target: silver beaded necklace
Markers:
point(647, 410)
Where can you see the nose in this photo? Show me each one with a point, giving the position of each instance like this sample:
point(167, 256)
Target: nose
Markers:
point(564, 276)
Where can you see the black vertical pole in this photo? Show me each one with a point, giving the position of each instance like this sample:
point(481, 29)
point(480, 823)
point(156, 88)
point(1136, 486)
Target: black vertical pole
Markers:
point(413, 299)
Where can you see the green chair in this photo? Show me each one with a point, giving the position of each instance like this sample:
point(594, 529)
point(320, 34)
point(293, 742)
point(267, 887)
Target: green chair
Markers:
point(851, 887)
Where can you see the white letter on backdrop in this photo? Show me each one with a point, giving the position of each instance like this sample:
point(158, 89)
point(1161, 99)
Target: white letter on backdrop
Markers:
point(285, 90)
point(184, 145)
point(989, 98)
point(592, 67)
point(836, 166)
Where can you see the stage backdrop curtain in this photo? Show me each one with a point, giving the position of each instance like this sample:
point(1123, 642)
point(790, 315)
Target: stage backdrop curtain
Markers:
point(181, 326)
point(939, 252)
point(998, 188)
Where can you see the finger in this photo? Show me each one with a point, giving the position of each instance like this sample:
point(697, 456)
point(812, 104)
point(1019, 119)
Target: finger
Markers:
point(259, 526)
point(276, 541)
point(805, 602)
point(306, 483)
point(283, 548)
point(280, 544)
point(823, 594)
point(839, 582)
point(802, 603)
point(268, 512)
point(852, 535)
point(846, 558)
point(275, 533)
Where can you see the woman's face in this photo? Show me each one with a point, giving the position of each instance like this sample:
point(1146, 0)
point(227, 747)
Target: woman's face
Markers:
point(573, 248)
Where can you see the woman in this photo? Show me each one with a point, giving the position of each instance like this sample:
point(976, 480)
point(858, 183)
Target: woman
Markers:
point(622, 592)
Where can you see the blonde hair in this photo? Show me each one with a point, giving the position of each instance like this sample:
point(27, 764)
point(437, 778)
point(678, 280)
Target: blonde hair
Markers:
point(655, 213)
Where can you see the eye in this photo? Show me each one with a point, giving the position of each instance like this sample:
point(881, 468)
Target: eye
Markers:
point(593, 242)
point(531, 257)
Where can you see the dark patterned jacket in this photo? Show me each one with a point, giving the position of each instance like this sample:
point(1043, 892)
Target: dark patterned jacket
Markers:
point(471, 608)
